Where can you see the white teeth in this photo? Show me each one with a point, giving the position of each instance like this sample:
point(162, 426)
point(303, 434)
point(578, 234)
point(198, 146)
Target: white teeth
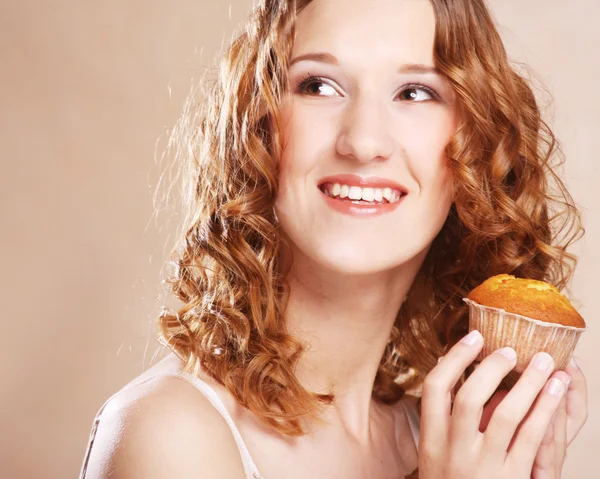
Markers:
point(344, 191)
point(355, 193)
point(368, 194)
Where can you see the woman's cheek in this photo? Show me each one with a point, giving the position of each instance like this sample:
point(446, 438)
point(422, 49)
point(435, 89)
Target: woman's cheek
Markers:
point(426, 144)
point(309, 136)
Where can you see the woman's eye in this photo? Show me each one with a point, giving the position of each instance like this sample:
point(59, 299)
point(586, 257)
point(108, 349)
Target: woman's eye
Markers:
point(316, 87)
point(416, 94)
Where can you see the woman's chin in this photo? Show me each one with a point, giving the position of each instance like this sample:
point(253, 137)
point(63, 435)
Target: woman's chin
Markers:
point(355, 256)
point(368, 264)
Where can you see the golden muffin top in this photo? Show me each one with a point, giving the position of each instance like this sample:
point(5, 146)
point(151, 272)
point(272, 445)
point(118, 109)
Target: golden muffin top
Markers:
point(527, 297)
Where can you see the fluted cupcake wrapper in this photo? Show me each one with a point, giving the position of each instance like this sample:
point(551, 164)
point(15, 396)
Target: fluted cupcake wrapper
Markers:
point(525, 335)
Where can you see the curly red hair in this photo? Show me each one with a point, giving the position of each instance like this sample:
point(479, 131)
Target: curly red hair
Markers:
point(511, 214)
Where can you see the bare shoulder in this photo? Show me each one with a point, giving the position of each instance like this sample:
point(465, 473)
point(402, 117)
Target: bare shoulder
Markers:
point(162, 428)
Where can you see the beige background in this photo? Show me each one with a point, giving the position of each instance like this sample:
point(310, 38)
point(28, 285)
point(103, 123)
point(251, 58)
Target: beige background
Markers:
point(88, 93)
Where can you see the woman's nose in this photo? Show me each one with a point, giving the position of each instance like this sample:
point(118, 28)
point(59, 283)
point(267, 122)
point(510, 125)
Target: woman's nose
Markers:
point(365, 132)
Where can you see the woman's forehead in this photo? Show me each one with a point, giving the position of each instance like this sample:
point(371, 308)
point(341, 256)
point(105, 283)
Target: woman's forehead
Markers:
point(367, 31)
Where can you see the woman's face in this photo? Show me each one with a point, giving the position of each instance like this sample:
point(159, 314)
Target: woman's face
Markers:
point(364, 185)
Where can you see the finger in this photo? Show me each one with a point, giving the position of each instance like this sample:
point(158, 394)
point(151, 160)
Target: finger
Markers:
point(544, 466)
point(511, 411)
point(475, 393)
point(533, 429)
point(560, 428)
point(437, 387)
point(453, 389)
point(551, 453)
point(564, 377)
point(577, 402)
point(490, 407)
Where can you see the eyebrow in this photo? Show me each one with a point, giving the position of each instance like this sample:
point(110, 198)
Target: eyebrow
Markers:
point(315, 57)
point(418, 68)
point(330, 59)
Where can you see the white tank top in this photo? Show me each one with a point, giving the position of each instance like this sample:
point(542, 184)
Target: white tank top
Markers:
point(251, 471)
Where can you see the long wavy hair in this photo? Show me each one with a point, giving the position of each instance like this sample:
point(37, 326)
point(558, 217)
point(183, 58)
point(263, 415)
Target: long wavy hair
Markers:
point(511, 214)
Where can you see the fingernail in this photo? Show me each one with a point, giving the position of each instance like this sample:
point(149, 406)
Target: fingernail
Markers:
point(556, 387)
point(439, 359)
point(543, 362)
point(472, 338)
point(573, 363)
point(567, 382)
point(508, 353)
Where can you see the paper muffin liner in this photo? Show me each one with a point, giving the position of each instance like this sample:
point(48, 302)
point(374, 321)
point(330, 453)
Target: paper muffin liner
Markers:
point(525, 335)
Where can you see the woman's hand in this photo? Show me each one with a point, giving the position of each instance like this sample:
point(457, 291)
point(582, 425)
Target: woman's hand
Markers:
point(571, 416)
point(452, 445)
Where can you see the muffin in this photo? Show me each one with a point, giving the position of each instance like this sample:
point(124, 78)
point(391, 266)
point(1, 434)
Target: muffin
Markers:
point(528, 315)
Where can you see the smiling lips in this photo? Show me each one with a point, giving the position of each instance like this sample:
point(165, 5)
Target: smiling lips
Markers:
point(361, 195)
point(351, 194)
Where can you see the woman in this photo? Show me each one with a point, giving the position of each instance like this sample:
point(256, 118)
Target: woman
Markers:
point(358, 168)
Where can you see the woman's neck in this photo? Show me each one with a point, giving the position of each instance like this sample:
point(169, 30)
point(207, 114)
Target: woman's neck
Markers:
point(346, 324)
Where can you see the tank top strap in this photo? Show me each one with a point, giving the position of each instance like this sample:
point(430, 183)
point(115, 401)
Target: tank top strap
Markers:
point(250, 469)
point(412, 415)
point(209, 393)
